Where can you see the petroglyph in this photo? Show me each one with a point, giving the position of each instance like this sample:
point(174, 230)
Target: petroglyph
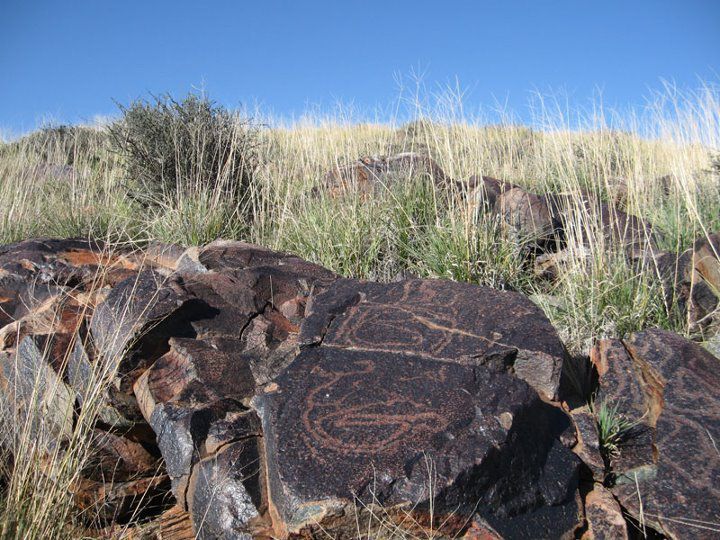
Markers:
point(346, 423)
point(440, 320)
point(334, 420)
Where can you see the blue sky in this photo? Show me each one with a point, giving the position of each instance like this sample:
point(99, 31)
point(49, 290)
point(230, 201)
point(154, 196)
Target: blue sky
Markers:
point(69, 60)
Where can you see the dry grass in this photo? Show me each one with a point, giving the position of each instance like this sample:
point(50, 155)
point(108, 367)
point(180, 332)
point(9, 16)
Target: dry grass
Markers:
point(70, 184)
point(47, 450)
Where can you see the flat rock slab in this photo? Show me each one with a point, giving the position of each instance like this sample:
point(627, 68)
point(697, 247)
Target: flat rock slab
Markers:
point(344, 426)
point(443, 320)
point(680, 381)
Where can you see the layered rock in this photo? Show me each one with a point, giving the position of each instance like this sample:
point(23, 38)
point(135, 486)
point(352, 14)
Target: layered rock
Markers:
point(48, 374)
point(668, 467)
point(274, 399)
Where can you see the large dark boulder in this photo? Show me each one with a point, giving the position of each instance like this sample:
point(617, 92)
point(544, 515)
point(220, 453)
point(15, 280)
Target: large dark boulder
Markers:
point(267, 397)
point(264, 306)
point(443, 320)
point(346, 428)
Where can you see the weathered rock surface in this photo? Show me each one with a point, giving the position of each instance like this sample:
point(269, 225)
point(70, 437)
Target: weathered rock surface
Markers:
point(540, 220)
point(604, 516)
point(29, 384)
point(397, 429)
point(692, 282)
point(587, 447)
point(670, 388)
point(528, 215)
point(196, 395)
point(272, 398)
point(447, 321)
point(375, 174)
point(486, 190)
point(49, 290)
point(248, 302)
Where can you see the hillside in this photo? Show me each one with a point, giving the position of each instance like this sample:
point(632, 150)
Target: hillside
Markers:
point(596, 251)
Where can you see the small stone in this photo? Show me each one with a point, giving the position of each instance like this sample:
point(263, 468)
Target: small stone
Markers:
point(604, 516)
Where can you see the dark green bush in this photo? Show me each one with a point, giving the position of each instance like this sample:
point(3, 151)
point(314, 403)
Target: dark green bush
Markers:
point(174, 149)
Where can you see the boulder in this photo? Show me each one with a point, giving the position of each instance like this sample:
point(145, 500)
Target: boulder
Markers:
point(671, 390)
point(376, 174)
point(195, 396)
point(346, 429)
point(275, 399)
point(443, 320)
point(528, 216)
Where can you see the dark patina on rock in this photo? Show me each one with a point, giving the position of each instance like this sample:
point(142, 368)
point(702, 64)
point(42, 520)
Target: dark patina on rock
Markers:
point(669, 471)
point(682, 385)
point(443, 320)
point(400, 429)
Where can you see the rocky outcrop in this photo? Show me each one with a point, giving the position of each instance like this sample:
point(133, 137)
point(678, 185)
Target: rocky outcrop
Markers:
point(49, 291)
point(668, 464)
point(261, 395)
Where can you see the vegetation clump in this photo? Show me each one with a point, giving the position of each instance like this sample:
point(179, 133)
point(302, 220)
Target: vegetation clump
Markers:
point(175, 149)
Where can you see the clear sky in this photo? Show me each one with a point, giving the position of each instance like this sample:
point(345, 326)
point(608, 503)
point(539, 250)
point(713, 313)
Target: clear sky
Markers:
point(69, 60)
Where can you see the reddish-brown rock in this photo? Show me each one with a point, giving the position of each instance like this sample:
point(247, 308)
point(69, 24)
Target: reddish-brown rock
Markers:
point(604, 516)
point(673, 389)
point(528, 215)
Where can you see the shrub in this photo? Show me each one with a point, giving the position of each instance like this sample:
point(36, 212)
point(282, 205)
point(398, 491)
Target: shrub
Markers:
point(176, 149)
